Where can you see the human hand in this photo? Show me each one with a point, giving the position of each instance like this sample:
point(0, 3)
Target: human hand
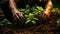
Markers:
point(17, 15)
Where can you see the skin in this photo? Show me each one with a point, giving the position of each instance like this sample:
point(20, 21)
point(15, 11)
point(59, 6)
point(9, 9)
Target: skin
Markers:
point(17, 14)
point(48, 8)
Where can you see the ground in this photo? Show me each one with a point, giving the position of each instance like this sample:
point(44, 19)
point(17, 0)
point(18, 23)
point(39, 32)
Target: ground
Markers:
point(48, 27)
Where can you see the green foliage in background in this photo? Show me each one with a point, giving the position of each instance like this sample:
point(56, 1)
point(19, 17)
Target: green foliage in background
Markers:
point(58, 22)
point(5, 22)
point(56, 12)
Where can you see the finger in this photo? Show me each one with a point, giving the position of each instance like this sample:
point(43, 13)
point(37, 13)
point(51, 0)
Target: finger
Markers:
point(14, 17)
point(19, 20)
point(17, 17)
point(20, 16)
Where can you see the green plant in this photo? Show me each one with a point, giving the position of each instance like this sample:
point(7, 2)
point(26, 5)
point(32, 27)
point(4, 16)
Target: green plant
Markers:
point(31, 13)
point(30, 18)
point(5, 22)
point(58, 22)
point(56, 11)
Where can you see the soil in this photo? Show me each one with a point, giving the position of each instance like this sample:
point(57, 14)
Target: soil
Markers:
point(49, 27)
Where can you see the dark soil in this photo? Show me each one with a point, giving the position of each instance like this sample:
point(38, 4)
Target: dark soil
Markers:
point(46, 27)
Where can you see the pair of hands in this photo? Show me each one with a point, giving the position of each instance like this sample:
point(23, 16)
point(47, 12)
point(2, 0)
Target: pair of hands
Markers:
point(19, 16)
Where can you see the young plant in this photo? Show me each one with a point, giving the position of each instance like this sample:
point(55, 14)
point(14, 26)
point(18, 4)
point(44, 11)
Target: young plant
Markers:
point(30, 18)
point(5, 22)
point(56, 11)
point(30, 14)
point(58, 22)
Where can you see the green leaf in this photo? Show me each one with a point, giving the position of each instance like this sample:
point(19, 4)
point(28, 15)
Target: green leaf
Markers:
point(27, 21)
point(33, 21)
point(5, 20)
point(21, 10)
point(35, 13)
point(27, 11)
point(40, 8)
point(9, 23)
point(27, 6)
point(36, 18)
point(26, 15)
point(1, 24)
point(28, 18)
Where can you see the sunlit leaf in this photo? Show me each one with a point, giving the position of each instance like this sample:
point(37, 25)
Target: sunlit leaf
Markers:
point(27, 21)
point(36, 18)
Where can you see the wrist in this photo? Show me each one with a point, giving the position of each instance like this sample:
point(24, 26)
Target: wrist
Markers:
point(14, 9)
point(47, 11)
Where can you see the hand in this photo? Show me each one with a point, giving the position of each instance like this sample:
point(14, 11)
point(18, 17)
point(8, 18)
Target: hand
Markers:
point(45, 15)
point(17, 15)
